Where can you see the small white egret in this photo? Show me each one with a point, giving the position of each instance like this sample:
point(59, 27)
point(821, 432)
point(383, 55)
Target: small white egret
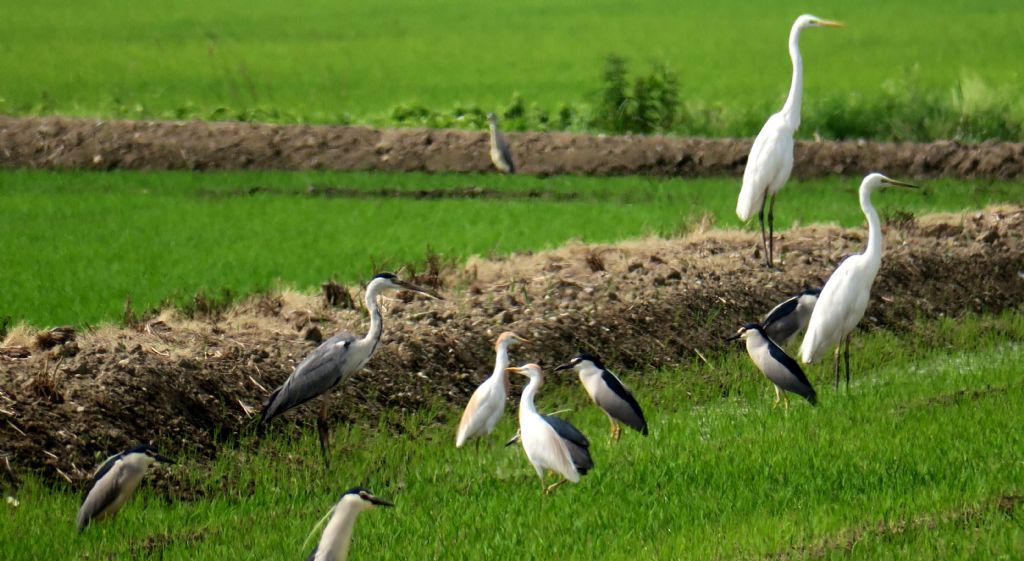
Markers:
point(501, 156)
point(115, 482)
point(488, 402)
point(608, 393)
point(845, 295)
point(775, 364)
point(334, 542)
point(550, 442)
point(335, 359)
point(771, 156)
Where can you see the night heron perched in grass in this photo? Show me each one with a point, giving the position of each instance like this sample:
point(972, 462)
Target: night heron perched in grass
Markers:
point(115, 481)
point(608, 393)
point(488, 402)
point(775, 364)
point(550, 442)
point(789, 318)
point(337, 535)
point(500, 154)
point(845, 296)
point(335, 359)
point(771, 156)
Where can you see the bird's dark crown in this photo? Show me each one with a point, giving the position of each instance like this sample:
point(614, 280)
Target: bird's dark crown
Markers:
point(811, 292)
point(587, 356)
point(389, 276)
point(755, 327)
point(356, 491)
point(147, 449)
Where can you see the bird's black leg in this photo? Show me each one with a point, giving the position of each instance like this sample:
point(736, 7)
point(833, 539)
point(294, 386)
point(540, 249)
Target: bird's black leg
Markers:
point(325, 434)
point(771, 232)
point(764, 241)
point(835, 364)
point(846, 357)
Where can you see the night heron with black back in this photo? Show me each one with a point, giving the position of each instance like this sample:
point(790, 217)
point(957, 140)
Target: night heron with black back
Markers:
point(771, 156)
point(776, 365)
point(551, 443)
point(115, 482)
point(337, 535)
point(336, 359)
point(487, 404)
point(789, 318)
point(845, 296)
point(608, 393)
point(501, 156)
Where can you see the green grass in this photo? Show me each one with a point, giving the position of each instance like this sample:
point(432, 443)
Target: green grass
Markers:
point(77, 245)
point(338, 61)
point(910, 464)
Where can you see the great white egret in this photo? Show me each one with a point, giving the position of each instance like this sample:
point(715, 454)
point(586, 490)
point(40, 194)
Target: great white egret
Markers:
point(845, 296)
point(485, 408)
point(771, 156)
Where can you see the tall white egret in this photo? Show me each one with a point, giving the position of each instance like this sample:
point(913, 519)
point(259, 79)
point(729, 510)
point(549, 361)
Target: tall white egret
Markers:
point(845, 295)
point(771, 156)
point(485, 408)
point(550, 442)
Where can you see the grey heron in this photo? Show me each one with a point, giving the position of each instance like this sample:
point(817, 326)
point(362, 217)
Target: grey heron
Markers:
point(608, 393)
point(775, 364)
point(771, 156)
point(846, 293)
point(550, 442)
point(336, 358)
point(791, 316)
point(501, 156)
point(335, 539)
point(115, 482)
point(488, 402)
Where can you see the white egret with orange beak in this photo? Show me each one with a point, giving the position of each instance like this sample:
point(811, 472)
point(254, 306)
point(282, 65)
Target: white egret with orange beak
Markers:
point(487, 404)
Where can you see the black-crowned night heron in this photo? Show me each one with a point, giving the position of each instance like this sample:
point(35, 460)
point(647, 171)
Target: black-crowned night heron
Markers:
point(550, 442)
point(846, 293)
point(115, 482)
point(488, 402)
point(775, 364)
point(771, 156)
point(608, 393)
point(337, 535)
point(501, 156)
point(335, 359)
point(790, 317)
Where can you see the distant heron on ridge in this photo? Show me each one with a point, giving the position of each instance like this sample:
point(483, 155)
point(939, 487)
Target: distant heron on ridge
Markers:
point(845, 296)
point(501, 156)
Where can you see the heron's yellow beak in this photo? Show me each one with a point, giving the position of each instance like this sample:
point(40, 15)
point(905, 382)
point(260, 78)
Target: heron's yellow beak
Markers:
point(830, 23)
point(522, 339)
point(515, 369)
point(895, 183)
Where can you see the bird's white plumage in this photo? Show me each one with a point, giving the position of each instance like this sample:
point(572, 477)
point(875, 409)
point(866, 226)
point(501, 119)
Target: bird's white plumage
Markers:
point(768, 165)
point(544, 448)
point(487, 404)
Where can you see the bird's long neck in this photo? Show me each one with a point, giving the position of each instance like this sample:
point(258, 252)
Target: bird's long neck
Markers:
point(501, 362)
point(376, 320)
point(494, 132)
point(339, 532)
point(526, 406)
point(791, 110)
point(874, 249)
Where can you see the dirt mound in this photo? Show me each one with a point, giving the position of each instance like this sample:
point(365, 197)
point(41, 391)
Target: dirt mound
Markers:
point(185, 384)
point(61, 143)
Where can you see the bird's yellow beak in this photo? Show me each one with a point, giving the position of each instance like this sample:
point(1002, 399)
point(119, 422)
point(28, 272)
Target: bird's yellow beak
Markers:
point(522, 340)
point(830, 23)
point(895, 183)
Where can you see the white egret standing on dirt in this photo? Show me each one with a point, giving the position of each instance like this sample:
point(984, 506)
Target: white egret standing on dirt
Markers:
point(608, 393)
point(550, 442)
point(501, 156)
point(334, 541)
point(335, 359)
point(845, 295)
point(775, 364)
point(115, 482)
point(485, 408)
point(771, 156)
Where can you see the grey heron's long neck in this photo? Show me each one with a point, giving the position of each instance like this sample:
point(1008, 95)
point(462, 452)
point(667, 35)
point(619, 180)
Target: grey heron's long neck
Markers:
point(494, 133)
point(874, 249)
point(376, 319)
point(526, 405)
point(791, 110)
